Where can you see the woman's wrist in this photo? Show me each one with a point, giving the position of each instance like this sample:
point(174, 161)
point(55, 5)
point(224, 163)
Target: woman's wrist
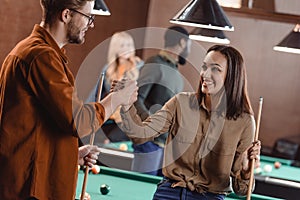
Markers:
point(245, 174)
point(126, 108)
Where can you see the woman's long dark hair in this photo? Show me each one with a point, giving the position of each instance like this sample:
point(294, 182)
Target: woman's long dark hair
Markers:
point(235, 84)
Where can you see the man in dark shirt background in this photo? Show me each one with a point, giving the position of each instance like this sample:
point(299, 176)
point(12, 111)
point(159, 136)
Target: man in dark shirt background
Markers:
point(159, 80)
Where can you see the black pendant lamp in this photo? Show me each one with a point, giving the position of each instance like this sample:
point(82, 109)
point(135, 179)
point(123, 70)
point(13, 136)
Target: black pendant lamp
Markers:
point(291, 43)
point(100, 8)
point(209, 35)
point(204, 14)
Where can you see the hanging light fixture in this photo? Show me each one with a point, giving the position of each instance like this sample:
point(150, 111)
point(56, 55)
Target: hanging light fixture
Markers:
point(230, 3)
point(204, 14)
point(209, 35)
point(100, 8)
point(291, 43)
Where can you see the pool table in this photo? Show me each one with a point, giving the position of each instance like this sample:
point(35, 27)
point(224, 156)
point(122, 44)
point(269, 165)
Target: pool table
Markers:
point(128, 185)
point(282, 183)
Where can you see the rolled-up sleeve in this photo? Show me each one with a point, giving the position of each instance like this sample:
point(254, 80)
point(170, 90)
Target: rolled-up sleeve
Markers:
point(141, 131)
point(239, 184)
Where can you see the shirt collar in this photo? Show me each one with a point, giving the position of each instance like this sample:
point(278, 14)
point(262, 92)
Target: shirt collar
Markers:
point(167, 56)
point(220, 106)
point(44, 34)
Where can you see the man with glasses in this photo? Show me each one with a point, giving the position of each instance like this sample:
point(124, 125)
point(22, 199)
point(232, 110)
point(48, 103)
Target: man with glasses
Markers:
point(73, 31)
point(41, 117)
point(90, 17)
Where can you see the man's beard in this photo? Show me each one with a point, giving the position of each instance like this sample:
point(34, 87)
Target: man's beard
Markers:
point(73, 34)
point(181, 60)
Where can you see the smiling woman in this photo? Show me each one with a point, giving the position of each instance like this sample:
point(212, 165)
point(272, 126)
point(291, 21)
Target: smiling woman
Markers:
point(224, 71)
point(213, 72)
point(212, 123)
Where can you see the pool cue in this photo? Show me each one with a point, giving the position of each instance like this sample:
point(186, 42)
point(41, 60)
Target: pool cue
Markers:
point(255, 139)
point(86, 172)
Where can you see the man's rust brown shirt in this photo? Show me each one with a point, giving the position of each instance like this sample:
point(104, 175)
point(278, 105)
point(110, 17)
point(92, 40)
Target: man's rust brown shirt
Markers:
point(40, 118)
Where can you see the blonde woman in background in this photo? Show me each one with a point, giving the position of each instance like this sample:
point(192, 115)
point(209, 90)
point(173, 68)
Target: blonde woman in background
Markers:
point(121, 58)
point(121, 62)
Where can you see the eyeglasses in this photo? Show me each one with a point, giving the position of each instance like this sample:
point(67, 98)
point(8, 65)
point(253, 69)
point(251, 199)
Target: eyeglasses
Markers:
point(90, 17)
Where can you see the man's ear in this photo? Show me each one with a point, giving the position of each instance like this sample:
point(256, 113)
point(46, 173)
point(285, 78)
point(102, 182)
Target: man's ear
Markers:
point(182, 43)
point(65, 15)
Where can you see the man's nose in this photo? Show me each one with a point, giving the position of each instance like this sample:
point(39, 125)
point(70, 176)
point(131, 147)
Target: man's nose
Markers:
point(92, 25)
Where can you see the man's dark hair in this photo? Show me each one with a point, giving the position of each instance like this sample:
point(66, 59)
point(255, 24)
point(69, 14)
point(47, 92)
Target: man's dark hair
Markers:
point(174, 34)
point(52, 8)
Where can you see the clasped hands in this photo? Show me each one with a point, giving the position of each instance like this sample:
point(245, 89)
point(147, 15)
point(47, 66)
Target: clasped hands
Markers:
point(126, 91)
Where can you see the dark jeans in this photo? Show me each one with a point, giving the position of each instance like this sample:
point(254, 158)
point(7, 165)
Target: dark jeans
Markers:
point(148, 158)
point(164, 191)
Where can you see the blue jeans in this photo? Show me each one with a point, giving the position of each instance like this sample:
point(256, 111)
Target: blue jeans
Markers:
point(164, 191)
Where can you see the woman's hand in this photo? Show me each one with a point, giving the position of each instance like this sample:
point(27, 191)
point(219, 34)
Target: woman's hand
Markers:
point(252, 153)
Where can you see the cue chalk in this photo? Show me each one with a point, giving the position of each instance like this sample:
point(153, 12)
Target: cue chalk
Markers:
point(86, 172)
point(255, 139)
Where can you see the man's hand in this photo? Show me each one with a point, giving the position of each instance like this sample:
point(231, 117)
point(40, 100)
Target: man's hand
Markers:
point(122, 93)
point(88, 155)
point(125, 91)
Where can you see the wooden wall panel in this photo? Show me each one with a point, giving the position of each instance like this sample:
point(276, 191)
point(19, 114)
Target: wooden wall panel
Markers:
point(125, 15)
point(18, 18)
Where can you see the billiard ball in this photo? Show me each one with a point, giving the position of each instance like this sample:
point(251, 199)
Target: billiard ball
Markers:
point(106, 141)
point(123, 147)
point(95, 169)
point(83, 168)
point(257, 170)
point(104, 189)
point(277, 165)
point(86, 196)
point(268, 168)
